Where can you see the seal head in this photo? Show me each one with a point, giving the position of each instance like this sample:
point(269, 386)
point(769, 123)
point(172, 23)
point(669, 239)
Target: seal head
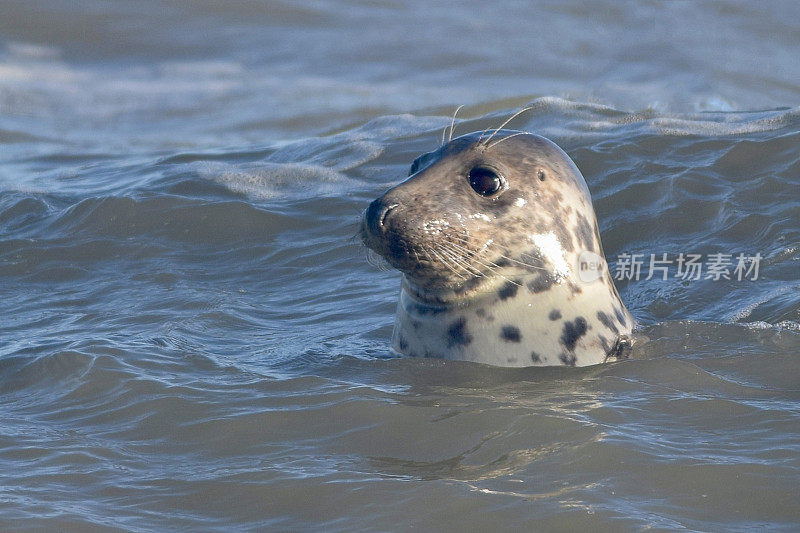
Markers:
point(501, 257)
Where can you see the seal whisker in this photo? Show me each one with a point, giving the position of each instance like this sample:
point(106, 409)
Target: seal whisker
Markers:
point(459, 261)
point(464, 251)
point(492, 268)
point(524, 264)
point(427, 255)
point(478, 142)
point(453, 123)
point(466, 273)
point(503, 125)
point(473, 255)
point(424, 251)
point(503, 256)
point(445, 263)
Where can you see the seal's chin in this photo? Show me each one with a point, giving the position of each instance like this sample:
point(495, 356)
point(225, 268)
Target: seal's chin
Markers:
point(449, 292)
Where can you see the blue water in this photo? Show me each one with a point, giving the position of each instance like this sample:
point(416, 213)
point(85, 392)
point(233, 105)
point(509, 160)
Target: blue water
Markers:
point(192, 338)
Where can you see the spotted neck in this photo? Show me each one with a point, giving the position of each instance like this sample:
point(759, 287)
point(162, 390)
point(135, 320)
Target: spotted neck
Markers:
point(540, 320)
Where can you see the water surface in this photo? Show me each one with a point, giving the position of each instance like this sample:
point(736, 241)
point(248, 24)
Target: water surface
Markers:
point(192, 339)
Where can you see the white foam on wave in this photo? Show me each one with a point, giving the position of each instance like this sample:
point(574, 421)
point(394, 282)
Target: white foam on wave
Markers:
point(782, 325)
point(340, 152)
point(267, 180)
point(768, 296)
point(724, 124)
point(358, 153)
point(566, 118)
point(391, 127)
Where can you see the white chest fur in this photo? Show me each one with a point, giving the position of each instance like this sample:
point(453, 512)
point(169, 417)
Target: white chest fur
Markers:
point(514, 326)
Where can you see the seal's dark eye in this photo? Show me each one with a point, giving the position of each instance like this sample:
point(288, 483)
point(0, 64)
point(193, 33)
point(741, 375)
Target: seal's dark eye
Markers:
point(485, 181)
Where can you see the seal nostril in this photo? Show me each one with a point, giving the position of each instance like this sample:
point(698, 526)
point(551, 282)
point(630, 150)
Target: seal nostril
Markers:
point(385, 214)
point(377, 213)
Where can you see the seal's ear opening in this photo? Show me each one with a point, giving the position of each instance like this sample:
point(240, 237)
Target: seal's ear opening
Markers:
point(422, 162)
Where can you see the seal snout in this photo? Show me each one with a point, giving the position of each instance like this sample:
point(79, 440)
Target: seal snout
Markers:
point(377, 215)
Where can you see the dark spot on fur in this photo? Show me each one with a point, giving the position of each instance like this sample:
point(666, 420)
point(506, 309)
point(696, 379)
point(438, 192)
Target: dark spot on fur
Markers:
point(540, 226)
point(575, 288)
point(541, 283)
point(416, 323)
point(433, 355)
point(511, 360)
point(457, 333)
point(555, 314)
point(541, 175)
point(584, 233)
point(563, 234)
point(620, 316)
point(572, 332)
point(403, 344)
point(552, 204)
point(510, 334)
point(535, 357)
point(508, 290)
point(568, 359)
point(503, 262)
point(604, 342)
point(481, 312)
point(607, 322)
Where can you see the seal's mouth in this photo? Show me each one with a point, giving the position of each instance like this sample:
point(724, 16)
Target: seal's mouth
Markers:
point(437, 269)
point(414, 261)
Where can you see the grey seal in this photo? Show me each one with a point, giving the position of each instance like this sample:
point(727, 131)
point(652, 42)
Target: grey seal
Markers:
point(500, 254)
